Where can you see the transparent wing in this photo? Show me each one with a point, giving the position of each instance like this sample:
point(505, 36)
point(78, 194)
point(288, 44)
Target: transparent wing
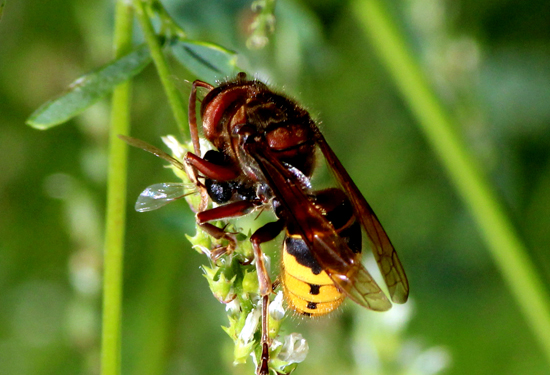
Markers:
point(356, 281)
point(384, 252)
point(158, 195)
point(329, 249)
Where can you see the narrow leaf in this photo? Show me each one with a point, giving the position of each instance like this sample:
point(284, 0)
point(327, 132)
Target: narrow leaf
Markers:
point(205, 60)
point(89, 88)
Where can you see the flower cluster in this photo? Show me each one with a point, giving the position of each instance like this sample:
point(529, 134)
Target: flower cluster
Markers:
point(233, 280)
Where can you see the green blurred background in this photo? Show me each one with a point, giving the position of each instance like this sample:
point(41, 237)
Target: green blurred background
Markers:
point(489, 63)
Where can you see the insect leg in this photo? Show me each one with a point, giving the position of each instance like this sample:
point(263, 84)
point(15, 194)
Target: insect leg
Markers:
point(264, 234)
point(211, 170)
point(263, 368)
point(218, 234)
point(235, 209)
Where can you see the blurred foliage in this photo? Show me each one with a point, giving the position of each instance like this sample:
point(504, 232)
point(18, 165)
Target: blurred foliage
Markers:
point(488, 61)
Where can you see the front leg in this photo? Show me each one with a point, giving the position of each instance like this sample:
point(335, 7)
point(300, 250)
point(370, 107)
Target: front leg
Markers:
point(211, 170)
point(230, 210)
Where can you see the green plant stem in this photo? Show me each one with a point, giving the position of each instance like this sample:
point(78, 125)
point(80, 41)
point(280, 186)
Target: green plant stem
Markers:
point(116, 203)
point(174, 98)
point(508, 251)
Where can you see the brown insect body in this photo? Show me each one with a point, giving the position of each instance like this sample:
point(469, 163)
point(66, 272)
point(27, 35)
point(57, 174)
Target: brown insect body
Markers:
point(265, 146)
point(285, 125)
point(271, 140)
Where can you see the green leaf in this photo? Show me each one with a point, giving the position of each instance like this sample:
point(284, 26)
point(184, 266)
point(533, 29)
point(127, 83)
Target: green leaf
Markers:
point(208, 61)
point(89, 88)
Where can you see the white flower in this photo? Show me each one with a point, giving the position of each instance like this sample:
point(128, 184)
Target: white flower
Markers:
point(250, 325)
point(233, 307)
point(295, 349)
point(276, 309)
point(173, 144)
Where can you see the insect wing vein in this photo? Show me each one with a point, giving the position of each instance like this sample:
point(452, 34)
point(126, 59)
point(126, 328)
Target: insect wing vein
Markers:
point(328, 248)
point(358, 284)
point(159, 195)
point(390, 266)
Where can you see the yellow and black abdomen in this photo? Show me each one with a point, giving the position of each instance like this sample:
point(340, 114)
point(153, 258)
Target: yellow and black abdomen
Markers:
point(308, 289)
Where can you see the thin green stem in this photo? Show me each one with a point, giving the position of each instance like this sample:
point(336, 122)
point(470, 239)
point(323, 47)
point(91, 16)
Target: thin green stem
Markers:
point(168, 24)
point(116, 203)
point(508, 251)
point(174, 98)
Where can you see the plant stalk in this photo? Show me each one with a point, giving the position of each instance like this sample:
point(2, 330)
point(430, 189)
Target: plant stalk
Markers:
point(174, 98)
point(116, 203)
point(503, 242)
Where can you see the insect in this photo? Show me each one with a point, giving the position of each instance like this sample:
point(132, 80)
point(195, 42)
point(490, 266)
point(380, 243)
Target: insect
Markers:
point(265, 147)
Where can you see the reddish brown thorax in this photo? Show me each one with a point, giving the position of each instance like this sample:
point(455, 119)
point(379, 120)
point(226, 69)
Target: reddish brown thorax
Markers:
point(285, 126)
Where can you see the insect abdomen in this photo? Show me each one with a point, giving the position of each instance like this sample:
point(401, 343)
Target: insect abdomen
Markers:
point(307, 288)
